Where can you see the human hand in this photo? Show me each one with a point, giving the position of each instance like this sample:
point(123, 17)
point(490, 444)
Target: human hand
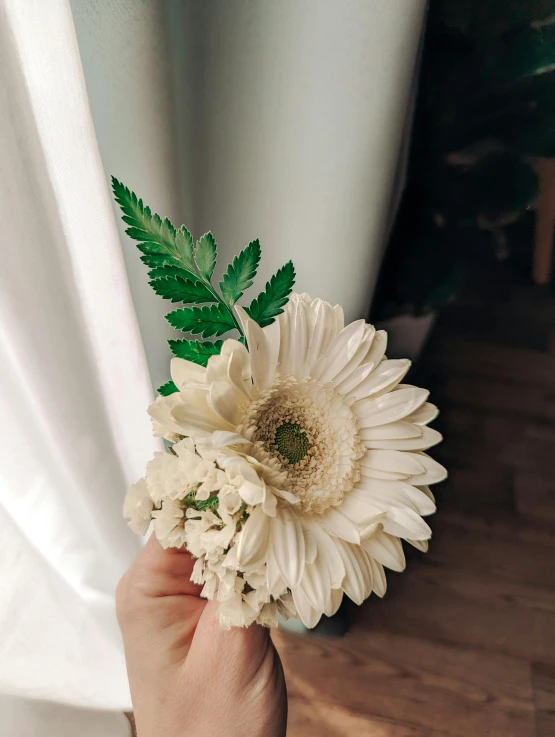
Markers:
point(188, 677)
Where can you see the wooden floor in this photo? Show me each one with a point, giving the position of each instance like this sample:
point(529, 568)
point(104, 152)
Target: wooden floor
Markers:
point(464, 642)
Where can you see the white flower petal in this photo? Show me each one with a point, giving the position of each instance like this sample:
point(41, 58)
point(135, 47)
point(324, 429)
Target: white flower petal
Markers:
point(259, 351)
point(394, 461)
point(424, 415)
point(358, 581)
point(221, 398)
point(357, 358)
point(253, 539)
point(334, 602)
point(294, 338)
point(186, 372)
point(237, 368)
point(162, 419)
point(230, 346)
point(406, 523)
point(268, 615)
point(288, 546)
point(328, 555)
point(236, 613)
point(427, 491)
point(422, 503)
point(137, 507)
point(377, 349)
point(274, 581)
point(323, 331)
point(387, 550)
point(421, 545)
point(354, 378)
point(379, 580)
point(315, 585)
point(385, 475)
point(252, 494)
point(286, 607)
point(339, 318)
point(272, 334)
point(383, 493)
point(224, 438)
point(288, 496)
point(434, 471)
point(385, 376)
point(166, 519)
point(310, 545)
point(391, 431)
point(372, 528)
point(390, 407)
point(195, 416)
point(269, 502)
point(216, 369)
point(307, 614)
point(360, 495)
point(341, 350)
point(335, 523)
point(428, 439)
point(354, 507)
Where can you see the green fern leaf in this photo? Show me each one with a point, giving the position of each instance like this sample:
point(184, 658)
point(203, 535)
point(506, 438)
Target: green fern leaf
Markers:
point(159, 241)
point(168, 388)
point(205, 321)
point(270, 302)
point(178, 289)
point(159, 272)
point(240, 273)
point(158, 260)
point(205, 255)
point(184, 246)
point(195, 350)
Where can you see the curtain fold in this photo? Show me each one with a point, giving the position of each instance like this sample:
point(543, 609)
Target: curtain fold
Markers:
point(74, 380)
point(280, 120)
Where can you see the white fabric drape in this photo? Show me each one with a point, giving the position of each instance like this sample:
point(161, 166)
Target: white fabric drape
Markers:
point(74, 379)
point(280, 120)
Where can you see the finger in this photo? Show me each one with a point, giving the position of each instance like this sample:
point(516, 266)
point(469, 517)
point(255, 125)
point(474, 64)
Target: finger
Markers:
point(239, 645)
point(163, 571)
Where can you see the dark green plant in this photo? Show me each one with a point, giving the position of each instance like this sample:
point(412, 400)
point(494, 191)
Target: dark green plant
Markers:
point(485, 113)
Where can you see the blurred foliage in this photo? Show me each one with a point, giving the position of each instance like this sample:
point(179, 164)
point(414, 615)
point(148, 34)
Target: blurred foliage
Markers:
point(485, 113)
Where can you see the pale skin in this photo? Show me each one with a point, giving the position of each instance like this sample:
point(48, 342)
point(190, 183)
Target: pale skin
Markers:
point(188, 677)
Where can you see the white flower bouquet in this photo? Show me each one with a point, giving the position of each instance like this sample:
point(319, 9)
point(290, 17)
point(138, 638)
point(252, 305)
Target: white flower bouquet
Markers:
point(296, 460)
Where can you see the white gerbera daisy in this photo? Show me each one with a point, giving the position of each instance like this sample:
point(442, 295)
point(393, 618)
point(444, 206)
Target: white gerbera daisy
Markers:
point(324, 448)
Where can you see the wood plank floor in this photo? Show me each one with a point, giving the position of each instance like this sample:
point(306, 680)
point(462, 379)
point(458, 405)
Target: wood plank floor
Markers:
point(463, 643)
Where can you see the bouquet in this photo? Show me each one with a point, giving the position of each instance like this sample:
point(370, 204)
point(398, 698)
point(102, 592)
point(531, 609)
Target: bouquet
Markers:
point(295, 462)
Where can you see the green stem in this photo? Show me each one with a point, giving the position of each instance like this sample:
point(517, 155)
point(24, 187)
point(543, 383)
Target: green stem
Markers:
point(212, 291)
point(228, 308)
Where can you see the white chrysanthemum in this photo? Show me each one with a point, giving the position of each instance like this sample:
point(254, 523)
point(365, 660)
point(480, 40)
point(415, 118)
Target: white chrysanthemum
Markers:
point(334, 446)
point(138, 507)
point(196, 503)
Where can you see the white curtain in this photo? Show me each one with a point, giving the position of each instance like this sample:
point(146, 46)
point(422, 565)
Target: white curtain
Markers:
point(281, 120)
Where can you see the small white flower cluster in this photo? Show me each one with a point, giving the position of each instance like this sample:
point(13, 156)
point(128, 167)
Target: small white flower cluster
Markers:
point(202, 502)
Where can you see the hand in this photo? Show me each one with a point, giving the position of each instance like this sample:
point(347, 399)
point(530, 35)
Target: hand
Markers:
point(188, 677)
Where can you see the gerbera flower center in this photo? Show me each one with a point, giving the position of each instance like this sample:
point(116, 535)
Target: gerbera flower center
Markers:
point(291, 442)
point(306, 431)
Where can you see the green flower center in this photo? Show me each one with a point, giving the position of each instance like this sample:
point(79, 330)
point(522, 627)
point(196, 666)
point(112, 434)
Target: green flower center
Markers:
point(291, 442)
